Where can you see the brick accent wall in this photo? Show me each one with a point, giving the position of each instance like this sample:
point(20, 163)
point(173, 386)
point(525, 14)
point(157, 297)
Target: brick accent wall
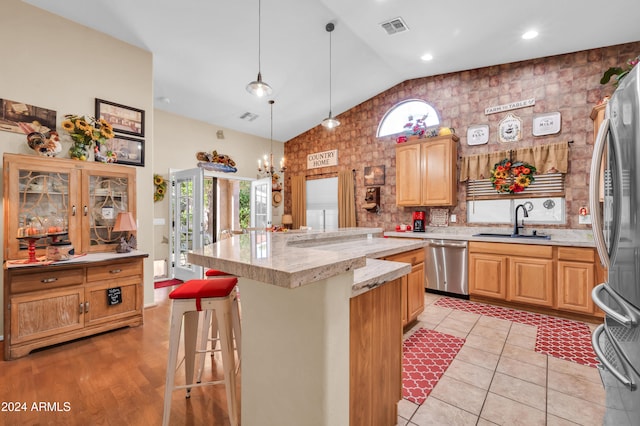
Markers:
point(567, 83)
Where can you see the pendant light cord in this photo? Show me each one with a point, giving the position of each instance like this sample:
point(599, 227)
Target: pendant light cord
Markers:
point(330, 29)
point(259, 35)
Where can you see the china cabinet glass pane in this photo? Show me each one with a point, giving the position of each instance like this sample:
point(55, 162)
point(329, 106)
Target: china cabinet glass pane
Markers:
point(43, 206)
point(107, 198)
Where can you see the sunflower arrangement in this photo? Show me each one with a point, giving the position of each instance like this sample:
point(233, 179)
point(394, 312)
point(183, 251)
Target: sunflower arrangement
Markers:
point(84, 131)
point(512, 177)
point(161, 187)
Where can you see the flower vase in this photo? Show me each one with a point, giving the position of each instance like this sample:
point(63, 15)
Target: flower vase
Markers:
point(79, 151)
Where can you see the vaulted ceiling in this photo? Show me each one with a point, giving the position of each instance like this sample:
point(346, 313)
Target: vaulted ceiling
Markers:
point(206, 51)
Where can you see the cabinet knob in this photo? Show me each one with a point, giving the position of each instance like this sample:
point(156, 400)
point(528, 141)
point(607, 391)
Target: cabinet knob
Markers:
point(86, 307)
point(48, 280)
point(81, 311)
point(73, 210)
point(115, 271)
point(85, 209)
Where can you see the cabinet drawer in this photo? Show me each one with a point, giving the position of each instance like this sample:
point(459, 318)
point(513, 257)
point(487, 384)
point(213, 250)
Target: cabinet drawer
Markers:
point(577, 254)
point(35, 281)
point(413, 257)
point(524, 250)
point(114, 271)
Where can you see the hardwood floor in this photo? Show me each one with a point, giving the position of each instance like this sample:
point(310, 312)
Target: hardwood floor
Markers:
point(115, 378)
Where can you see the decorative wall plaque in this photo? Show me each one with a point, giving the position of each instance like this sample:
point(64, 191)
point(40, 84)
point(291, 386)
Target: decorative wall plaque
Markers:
point(510, 129)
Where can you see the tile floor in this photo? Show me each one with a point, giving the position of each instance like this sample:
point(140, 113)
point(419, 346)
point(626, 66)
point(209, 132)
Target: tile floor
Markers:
point(497, 378)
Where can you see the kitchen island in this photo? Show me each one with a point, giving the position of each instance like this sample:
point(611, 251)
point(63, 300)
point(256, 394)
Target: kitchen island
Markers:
point(298, 290)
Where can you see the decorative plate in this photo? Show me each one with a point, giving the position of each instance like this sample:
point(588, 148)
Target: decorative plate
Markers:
point(510, 129)
point(478, 134)
point(546, 124)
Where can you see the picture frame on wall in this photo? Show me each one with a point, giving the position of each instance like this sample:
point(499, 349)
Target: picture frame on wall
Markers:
point(128, 150)
point(374, 175)
point(124, 119)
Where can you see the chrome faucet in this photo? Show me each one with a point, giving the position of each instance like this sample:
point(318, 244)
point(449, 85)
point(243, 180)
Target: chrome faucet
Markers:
point(516, 228)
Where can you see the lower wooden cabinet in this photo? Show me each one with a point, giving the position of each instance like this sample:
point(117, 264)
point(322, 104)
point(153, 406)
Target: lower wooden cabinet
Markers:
point(550, 277)
point(413, 284)
point(375, 380)
point(46, 305)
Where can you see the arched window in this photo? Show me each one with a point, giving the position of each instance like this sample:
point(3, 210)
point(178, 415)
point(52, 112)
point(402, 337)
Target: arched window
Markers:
point(401, 113)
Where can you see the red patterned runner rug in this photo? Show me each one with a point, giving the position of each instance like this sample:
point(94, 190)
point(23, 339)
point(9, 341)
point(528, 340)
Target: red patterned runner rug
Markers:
point(426, 355)
point(558, 337)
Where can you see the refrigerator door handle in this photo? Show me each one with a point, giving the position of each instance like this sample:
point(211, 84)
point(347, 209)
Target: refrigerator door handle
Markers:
point(594, 185)
point(595, 341)
point(628, 319)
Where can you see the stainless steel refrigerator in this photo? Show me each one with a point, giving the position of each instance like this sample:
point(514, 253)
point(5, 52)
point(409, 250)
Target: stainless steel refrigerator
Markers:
point(616, 229)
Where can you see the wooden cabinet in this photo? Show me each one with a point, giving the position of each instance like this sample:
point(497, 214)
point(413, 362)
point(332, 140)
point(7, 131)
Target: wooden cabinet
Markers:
point(575, 279)
point(375, 379)
point(426, 172)
point(531, 280)
point(77, 197)
point(488, 275)
point(49, 304)
point(554, 278)
point(413, 285)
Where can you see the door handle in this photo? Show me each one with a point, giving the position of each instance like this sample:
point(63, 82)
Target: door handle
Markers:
point(595, 342)
point(628, 319)
point(594, 185)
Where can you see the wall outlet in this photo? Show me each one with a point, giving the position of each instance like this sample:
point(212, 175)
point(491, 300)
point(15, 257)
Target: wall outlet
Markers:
point(158, 221)
point(453, 218)
point(584, 219)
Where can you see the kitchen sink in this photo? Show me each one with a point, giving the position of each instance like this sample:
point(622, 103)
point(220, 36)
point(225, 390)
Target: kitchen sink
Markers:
point(498, 235)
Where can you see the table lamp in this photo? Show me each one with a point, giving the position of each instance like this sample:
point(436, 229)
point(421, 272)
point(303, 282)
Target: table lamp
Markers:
point(125, 222)
point(287, 220)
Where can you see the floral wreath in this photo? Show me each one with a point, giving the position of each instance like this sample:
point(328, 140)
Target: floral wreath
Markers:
point(512, 177)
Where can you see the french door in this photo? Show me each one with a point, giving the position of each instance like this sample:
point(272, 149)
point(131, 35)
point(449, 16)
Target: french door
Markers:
point(187, 221)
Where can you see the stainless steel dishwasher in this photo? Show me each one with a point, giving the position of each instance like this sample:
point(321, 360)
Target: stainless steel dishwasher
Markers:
point(447, 267)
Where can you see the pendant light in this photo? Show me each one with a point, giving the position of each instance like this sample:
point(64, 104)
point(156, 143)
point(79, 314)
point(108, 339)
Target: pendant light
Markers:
point(269, 169)
point(258, 87)
point(330, 122)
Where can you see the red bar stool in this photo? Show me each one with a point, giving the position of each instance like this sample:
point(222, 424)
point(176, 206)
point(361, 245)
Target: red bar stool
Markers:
point(187, 300)
point(210, 324)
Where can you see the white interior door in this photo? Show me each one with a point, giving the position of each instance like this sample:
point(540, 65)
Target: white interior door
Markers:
point(187, 218)
point(261, 212)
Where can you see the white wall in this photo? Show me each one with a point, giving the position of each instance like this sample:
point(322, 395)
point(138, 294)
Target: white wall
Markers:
point(54, 63)
point(178, 139)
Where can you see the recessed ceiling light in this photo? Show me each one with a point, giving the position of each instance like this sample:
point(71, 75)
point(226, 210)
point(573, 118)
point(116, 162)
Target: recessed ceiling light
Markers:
point(530, 34)
point(426, 57)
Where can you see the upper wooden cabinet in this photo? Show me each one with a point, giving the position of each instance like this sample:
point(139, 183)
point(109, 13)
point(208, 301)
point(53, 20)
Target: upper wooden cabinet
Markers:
point(426, 172)
point(79, 197)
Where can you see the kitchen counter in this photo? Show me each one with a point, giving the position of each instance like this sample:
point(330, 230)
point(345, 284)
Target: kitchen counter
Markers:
point(559, 237)
point(296, 288)
point(293, 259)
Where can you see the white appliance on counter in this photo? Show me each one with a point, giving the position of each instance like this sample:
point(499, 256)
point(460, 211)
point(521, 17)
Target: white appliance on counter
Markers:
point(616, 229)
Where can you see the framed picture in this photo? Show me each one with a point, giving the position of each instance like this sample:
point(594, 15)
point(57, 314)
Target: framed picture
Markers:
point(373, 175)
point(19, 117)
point(510, 129)
point(128, 150)
point(124, 119)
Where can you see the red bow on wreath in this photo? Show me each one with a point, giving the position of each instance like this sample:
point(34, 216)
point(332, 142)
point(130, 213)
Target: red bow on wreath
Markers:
point(512, 177)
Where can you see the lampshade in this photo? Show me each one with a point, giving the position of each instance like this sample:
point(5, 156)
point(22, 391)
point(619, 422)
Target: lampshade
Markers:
point(330, 122)
point(287, 219)
point(258, 87)
point(125, 222)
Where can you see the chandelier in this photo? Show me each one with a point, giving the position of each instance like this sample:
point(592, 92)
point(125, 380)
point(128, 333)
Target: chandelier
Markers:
point(267, 168)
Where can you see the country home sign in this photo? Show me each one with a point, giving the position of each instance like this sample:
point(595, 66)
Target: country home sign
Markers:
point(322, 159)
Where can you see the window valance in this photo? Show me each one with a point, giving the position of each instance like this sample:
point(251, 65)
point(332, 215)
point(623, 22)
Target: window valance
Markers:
point(550, 158)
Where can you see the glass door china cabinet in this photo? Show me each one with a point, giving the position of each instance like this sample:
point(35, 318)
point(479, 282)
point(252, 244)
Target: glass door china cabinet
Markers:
point(50, 199)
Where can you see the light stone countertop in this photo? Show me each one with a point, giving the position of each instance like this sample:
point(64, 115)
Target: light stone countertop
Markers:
point(292, 259)
point(82, 258)
point(559, 237)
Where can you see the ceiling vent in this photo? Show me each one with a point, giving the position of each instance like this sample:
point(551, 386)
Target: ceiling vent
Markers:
point(394, 26)
point(248, 116)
